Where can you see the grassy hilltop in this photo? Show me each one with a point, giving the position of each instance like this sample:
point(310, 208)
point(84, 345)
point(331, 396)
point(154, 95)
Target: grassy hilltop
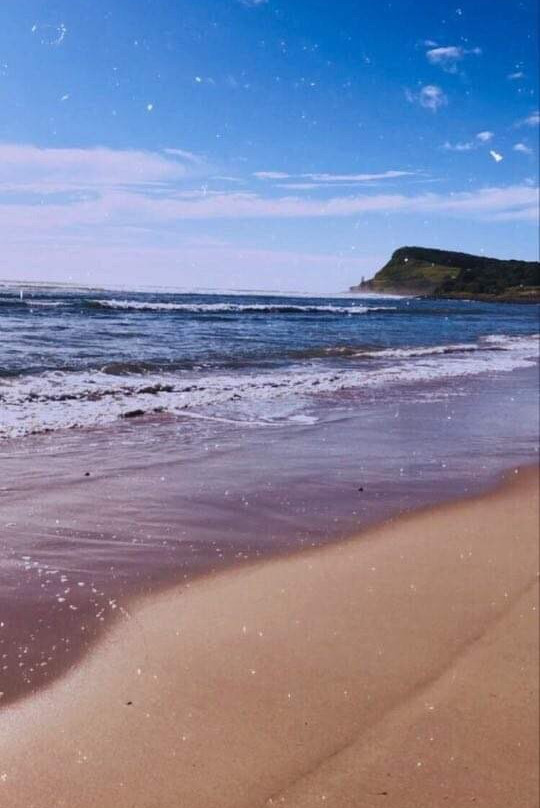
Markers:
point(443, 273)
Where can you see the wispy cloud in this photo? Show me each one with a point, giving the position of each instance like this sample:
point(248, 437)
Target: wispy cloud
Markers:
point(299, 186)
point(466, 146)
point(448, 57)
point(323, 178)
point(191, 157)
point(496, 156)
point(469, 145)
point(485, 137)
point(430, 97)
point(509, 203)
point(271, 175)
point(519, 74)
point(27, 167)
point(523, 148)
point(253, 3)
point(123, 209)
point(384, 175)
point(531, 120)
point(158, 193)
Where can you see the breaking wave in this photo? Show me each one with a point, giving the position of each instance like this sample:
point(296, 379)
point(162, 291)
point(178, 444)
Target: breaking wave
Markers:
point(56, 399)
point(236, 308)
point(411, 352)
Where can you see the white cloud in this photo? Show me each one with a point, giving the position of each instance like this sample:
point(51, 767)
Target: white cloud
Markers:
point(448, 57)
point(519, 74)
point(253, 3)
point(225, 178)
point(191, 157)
point(459, 147)
point(124, 209)
point(323, 178)
point(531, 120)
point(485, 137)
point(496, 156)
point(430, 97)
point(510, 203)
point(469, 145)
point(123, 191)
point(385, 175)
point(299, 186)
point(523, 148)
point(445, 57)
point(28, 167)
point(271, 175)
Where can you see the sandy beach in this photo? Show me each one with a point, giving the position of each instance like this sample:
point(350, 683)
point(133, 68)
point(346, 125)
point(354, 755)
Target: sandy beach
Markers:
point(399, 668)
point(269, 405)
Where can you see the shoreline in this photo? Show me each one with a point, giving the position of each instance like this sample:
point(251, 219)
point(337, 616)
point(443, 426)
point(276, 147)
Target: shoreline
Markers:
point(479, 298)
point(295, 677)
point(57, 637)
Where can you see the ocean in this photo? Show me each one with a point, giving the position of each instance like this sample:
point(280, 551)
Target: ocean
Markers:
point(72, 358)
point(147, 438)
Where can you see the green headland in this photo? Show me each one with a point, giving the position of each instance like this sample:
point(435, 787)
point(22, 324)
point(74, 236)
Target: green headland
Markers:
point(443, 273)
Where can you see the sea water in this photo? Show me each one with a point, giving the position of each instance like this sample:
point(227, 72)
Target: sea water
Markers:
point(79, 358)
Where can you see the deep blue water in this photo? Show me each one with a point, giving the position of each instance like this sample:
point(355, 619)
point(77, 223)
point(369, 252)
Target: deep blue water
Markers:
point(59, 329)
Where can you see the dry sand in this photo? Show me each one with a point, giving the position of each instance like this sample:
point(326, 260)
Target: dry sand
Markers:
point(397, 669)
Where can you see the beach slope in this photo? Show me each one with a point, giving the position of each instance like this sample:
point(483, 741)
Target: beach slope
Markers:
point(396, 669)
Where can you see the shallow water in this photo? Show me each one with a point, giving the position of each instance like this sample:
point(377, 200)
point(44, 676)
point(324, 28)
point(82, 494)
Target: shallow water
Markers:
point(92, 517)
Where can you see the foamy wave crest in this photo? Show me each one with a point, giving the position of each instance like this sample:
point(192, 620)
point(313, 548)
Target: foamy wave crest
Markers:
point(431, 350)
point(53, 304)
point(55, 400)
point(18, 301)
point(12, 301)
point(351, 352)
point(237, 308)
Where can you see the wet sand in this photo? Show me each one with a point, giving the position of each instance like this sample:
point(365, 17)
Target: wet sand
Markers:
point(399, 669)
point(91, 519)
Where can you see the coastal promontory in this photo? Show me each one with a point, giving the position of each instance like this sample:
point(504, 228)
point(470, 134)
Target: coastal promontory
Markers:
point(444, 273)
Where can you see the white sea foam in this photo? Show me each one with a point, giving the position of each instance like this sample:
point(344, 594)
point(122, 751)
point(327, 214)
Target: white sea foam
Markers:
point(228, 308)
point(418, 351)
point(48, 303)
point(19, 301)
point(55, 400)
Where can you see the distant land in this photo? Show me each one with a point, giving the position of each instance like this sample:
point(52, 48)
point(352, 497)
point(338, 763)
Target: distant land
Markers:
point(443, 273)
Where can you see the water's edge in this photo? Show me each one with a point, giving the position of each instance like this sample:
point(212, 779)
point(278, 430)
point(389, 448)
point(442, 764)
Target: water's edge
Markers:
point(487, 486)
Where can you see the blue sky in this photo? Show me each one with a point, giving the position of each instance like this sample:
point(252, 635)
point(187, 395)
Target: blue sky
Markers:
point(264, 144)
